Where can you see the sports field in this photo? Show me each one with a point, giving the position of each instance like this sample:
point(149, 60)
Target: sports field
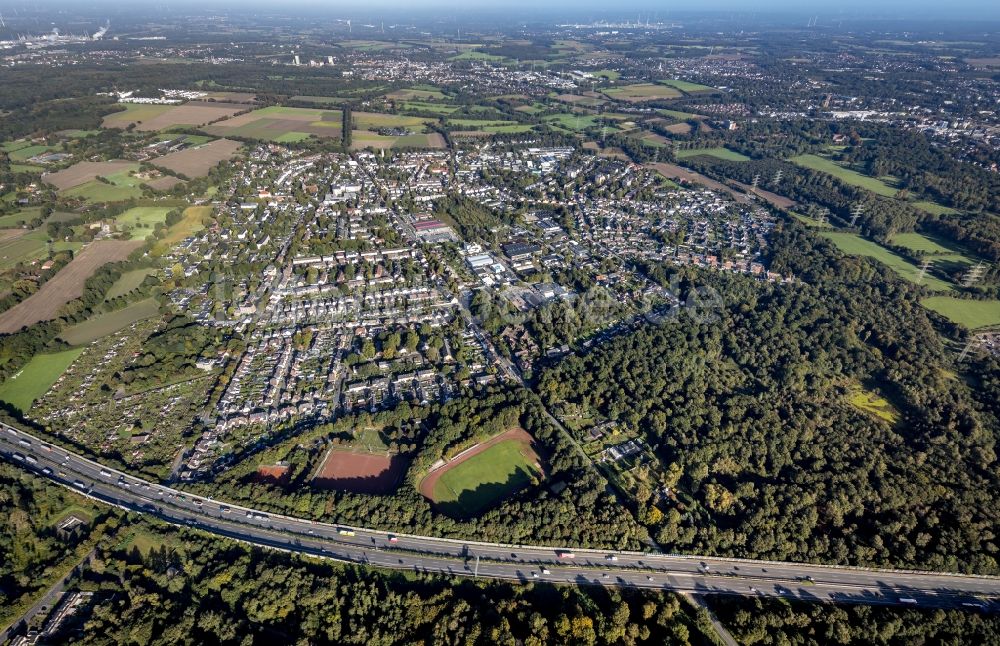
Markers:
point(642, 92)
point(359, 471)
point(484, 475)
point(717, 152)
point(102, 325)
point(844, 174)
point(36, 377)
point(971, 314)
point(854, 244)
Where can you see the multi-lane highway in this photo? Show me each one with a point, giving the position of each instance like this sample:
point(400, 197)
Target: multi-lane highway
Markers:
point(702, 574)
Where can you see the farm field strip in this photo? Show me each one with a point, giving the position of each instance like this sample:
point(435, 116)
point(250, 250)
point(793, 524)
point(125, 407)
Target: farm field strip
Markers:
point(853, 244)
point(66, 285)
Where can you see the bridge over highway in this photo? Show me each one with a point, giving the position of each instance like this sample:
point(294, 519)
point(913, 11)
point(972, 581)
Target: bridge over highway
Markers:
point(564, 565)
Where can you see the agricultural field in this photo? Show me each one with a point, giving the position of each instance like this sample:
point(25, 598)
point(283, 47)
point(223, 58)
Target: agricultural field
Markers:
point(36, 377)
point(24, 247)
point(687, 87)
point(322, 100)
point(872, 403)
point(420, 106)
point(946, 255)
point(577, 99)
point(151, 117)
point(844, 174)
point(855, 245)
point(483, 475)
point(371, 120)
point(189, 224)
point(141, 220)
point(66, 285)
point(934, 208)
point(25, 150)
point(419, 93)
point(97, 327)
point(573, 122)
point(969, 313)
point(84, 172)
point(490, 126)
point(610, 75)
point(920, 243)
point(639, 92)
point(476, 55)
point(809, 222)
point(364, 139)
point(198, 161)
point(281, 124)
point(718, 152)
point(127, 282)
point(533, 108)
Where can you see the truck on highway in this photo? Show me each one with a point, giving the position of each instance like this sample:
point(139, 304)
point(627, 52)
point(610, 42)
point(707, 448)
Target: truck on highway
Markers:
point(17, 456)
point(564, 554)
point(345, 532)
point(907, 600)
point(105, 473)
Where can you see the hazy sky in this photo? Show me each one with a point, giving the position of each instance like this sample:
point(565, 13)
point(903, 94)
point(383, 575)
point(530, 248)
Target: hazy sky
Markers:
point(844, 9)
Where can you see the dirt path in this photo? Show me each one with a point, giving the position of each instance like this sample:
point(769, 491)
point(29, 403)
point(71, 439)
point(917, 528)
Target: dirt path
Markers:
point(426, 487)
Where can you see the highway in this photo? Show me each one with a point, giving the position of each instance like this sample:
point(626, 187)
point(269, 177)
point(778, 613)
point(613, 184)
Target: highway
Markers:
point(680, 573)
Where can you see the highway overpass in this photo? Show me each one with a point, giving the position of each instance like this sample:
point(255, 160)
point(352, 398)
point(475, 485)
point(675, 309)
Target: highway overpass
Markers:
point(565, 565)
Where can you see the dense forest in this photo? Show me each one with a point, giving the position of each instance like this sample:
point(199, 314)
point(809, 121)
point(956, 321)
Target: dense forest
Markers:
point(31, 550)
point(754, 414)
point(769, 621)
point(194, 589)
